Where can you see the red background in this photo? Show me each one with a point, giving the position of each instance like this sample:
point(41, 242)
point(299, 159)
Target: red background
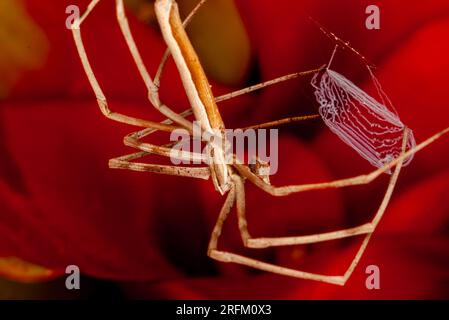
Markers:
point(61, 205)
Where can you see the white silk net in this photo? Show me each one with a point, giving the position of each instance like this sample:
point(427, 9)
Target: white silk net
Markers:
point(370, 127)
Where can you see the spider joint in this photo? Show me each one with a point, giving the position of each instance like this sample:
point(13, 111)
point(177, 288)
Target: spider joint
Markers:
point(259, 243)
point(220, 256)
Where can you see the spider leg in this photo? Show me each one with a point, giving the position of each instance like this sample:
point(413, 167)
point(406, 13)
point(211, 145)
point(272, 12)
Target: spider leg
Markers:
point(228, 257)
point(234, 94)
point(152, 86)
point(268, 83)
point(160, 69)
point(125, 162)
point(282, 121)
point(133, 140)
point(358, 180)
point(259, 86)
point(367, 228)
point(239, 196)
point(224, 213)
point(101, 99)
point(237, 93)
point(153, 94)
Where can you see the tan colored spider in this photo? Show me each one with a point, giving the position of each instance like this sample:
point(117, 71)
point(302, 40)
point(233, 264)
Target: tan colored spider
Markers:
point(227, 178)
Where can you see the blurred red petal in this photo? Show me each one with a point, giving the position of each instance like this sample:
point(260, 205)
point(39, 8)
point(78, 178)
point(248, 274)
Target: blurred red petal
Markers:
point(410, 268)
point(76, 208)
point(421, 209)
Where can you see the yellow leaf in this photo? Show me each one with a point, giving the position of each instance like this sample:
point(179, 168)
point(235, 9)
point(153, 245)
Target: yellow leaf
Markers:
point(14, 268)
point(143, 9)
point(220, 39)
point(23, 46)
point(217, 33)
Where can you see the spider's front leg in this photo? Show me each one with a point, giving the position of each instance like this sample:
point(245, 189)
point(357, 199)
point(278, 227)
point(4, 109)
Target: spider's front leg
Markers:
point(101, 98)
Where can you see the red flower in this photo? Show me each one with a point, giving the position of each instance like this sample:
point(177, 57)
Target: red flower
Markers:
point(61, 205)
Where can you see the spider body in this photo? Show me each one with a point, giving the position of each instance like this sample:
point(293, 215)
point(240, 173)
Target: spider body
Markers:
point(199, 93)
point(197, 88)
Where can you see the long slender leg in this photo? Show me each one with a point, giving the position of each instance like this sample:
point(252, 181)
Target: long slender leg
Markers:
point(101, 99)
point(279, 122)
point(153, 94)
point(268, 83)
point(237, 93)
point(375, 222)
point(367, 228)
point(259, 86)
point(160, 69)
point(358, 180)
point(239, 259)
point(229, 257)
point(151, 86)
point(362, 229)
point(224, 213)
point(133, 140)
point(125, 162)
point(188, 112)
point(166, 126)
